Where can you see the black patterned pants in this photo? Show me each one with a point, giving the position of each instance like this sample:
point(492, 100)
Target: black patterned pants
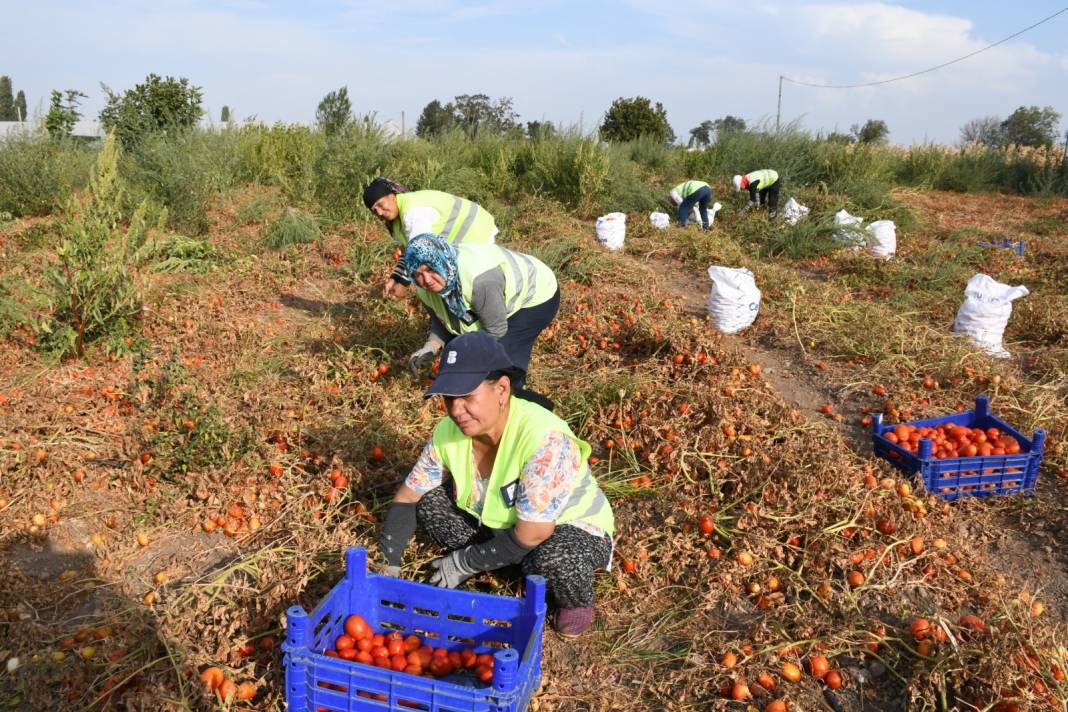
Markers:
point(567, 559)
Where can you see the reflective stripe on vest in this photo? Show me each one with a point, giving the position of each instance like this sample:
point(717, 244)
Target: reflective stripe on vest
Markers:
point(766, 176)
point(475, 224)
point(689, 187)
point(528, 425)
point(527, 282)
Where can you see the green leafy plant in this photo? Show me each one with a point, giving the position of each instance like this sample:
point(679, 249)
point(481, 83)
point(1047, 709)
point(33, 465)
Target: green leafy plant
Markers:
point(93, 291)
point(187, 434)
point(293, 228)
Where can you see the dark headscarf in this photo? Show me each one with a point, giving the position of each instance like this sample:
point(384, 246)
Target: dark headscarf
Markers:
point(379, 188)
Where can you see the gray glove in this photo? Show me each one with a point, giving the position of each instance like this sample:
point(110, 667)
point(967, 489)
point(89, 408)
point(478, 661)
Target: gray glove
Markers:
point(450, 571)
point(751, 205)
point(424, 357)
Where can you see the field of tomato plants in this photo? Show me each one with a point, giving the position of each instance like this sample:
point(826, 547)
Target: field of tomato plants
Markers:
point(165, 496)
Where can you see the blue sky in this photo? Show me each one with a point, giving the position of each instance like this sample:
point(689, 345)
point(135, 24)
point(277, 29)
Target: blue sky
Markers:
point(560, 61)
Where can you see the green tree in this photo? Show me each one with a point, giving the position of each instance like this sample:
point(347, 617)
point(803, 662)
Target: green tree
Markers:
point(728, 124)
point(7, 100)
point(627, 119)
point(334, 112)
point(873, 131)
point(540, 130)
point(435, 119)
point(224, 116)
point(477, 113)
point(1031, 126)
point(63, 112)
point(156, 105)
point(701, 135)
point(985, 131)
point(20, 106)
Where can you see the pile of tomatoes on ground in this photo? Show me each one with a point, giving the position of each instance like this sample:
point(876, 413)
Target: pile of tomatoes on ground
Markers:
point(395, 651)
point(949, 440)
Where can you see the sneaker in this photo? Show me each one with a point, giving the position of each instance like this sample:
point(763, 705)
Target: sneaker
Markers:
point(573, 622)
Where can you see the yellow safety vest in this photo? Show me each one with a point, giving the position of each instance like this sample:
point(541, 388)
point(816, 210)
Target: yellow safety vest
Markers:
point(528, 424)
point(460, 219)
point(528, 282)
point(688, 187)
point(766, 176)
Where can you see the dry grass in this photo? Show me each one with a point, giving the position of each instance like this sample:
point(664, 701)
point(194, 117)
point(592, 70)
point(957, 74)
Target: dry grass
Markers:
point(280, 352)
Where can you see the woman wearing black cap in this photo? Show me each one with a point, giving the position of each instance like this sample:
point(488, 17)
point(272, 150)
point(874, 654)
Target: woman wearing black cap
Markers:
point(503, 481)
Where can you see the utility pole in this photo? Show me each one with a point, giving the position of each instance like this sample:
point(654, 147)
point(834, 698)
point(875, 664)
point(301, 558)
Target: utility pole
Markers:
point(778, 111)
point(403, 133)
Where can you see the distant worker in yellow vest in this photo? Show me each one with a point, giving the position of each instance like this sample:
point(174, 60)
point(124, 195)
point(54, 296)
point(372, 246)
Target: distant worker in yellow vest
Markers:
point(688, 194)
point(408, 213)
point(503, 481)
point(471, 287)
point(763, 186)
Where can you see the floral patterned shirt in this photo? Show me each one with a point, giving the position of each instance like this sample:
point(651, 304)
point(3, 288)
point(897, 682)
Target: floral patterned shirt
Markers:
point(544, 484)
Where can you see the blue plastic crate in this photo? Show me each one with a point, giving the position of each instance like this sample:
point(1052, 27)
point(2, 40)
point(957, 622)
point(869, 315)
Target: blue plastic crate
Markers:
point(510, 628)
point(966, 476)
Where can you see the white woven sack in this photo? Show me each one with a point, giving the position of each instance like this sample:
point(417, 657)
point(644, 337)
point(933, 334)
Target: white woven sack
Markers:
point(612, 230)
point(793, 211)
point(660, 220)
point(882, 239)
point(847, 237)
point(985, 313)
point(734, 300)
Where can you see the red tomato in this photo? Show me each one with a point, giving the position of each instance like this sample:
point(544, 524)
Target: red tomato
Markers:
point(362, 656)
point(364, 644)
point(485, 674)
point(378, 640)
point(356, 627)
point(344, 641)
point(411, 643)
point(395, 647)
point(348, 653)
point(398, 662)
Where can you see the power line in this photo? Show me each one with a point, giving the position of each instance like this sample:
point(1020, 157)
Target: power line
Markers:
point(929, 69)
point(1003, 40)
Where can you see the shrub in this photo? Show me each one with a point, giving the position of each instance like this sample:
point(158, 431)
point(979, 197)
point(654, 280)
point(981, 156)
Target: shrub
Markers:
point(38, 174)
point(93, 293)
point(293, 228)
point(179, 171)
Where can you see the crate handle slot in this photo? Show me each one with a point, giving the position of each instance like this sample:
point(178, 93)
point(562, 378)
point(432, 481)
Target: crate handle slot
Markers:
point(426, 612)
point(496, 644)
point(462, 619)
point(327, 622)
point(495, 622)
point(461, 639)
point(392, 626)
point(393, 604)
point(425, 633)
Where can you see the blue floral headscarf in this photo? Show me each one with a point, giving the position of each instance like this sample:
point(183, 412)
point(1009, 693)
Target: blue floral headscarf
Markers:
point(437, 254)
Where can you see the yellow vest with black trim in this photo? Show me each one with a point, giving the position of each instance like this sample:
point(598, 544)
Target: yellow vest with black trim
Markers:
point(766, 176)
point(460, 220)
point(688, 187)
point(528, 425)
point(528, 282)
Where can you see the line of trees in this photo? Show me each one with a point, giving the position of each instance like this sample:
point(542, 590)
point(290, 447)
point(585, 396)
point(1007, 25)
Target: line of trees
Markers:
point(1027, 126)
point(12, 106)
point(162, 104)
